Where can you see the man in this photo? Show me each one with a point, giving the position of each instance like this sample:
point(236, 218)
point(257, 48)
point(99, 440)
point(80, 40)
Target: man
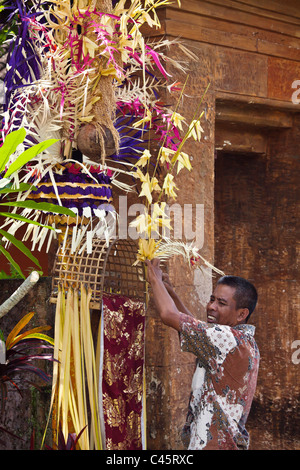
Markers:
point(225, 378)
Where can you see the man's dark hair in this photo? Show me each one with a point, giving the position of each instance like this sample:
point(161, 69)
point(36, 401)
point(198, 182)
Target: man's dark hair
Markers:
point(245, 293)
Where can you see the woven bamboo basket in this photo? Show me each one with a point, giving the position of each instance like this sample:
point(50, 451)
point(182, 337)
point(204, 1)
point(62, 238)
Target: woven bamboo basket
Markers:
point(105, 270)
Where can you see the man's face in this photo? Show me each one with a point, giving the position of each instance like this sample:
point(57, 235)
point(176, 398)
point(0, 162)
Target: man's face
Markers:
point(221, 308)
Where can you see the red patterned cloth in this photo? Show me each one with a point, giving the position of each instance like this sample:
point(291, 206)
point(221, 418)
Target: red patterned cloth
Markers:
point(121, 367)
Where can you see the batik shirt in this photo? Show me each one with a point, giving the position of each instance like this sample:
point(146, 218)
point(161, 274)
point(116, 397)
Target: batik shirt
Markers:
point(223, 385)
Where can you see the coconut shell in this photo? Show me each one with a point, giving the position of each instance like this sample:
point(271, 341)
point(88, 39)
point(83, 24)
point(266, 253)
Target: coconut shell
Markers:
point(94, 144)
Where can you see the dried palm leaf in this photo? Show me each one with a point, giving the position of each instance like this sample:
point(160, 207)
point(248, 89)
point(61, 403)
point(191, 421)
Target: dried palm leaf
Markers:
point(75, 376)
point(169, 248)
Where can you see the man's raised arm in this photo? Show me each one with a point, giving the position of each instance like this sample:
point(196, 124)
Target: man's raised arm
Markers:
point(169, 313)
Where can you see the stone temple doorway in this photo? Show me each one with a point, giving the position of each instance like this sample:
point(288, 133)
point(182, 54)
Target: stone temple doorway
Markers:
point(241, 212)
point(257, 199)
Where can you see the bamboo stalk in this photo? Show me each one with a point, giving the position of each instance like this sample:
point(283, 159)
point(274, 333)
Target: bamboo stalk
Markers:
point(18, 295)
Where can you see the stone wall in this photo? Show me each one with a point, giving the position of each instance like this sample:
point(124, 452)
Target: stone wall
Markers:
point(257, 199)
point(249, 52)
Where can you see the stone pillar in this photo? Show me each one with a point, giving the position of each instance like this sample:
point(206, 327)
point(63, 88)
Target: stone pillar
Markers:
point(170, 371)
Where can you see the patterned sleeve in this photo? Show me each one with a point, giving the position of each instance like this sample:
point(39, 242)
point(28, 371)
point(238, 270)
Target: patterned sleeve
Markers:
point(209, 342)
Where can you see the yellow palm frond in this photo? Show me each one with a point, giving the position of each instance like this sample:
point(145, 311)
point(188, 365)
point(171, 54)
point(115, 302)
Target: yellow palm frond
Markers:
point(169, 248)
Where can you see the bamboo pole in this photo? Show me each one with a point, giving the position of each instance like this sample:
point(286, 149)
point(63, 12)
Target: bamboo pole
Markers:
point(15, 298)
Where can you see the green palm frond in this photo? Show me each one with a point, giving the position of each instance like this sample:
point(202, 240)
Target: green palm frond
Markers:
point(9, 167)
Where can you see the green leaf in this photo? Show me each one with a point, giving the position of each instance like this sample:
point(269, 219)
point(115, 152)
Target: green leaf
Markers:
point(20, 245)
point(40, 206)
point(11, 260)
point(24, 219)
point(2, 336)
point(42, 337)
point(3, 274)
point(28, 155)
point(22, 187)
point(10, 145)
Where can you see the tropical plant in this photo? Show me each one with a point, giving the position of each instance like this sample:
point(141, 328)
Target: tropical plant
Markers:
point(22, 349)
point(12, 274)
point(62, 444)
point(9, 189)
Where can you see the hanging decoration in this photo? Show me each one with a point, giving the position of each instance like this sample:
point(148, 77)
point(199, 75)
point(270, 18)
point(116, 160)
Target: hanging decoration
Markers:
point(74, 399)
point(88, 191)
point(98, 389)
point(82, 72)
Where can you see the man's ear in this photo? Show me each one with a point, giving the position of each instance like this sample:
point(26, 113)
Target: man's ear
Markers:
point(242, 315)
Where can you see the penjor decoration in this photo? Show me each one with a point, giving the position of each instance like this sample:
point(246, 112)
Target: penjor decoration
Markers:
point(81, 72)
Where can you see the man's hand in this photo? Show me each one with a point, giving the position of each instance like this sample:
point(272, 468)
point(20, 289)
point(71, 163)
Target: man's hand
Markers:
point(164, 303)
point(171, 291)
point(154, 273)
point(168, 285)
point(166, 300)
